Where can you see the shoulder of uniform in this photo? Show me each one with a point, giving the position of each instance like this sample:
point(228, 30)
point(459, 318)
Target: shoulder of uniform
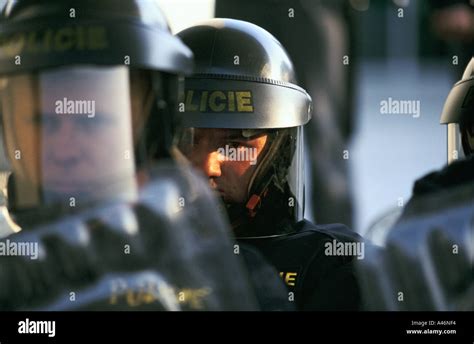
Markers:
point(331, 231)
point(455, 174)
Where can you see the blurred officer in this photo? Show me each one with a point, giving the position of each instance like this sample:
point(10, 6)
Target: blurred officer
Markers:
point(88, 91)
point(427, 262)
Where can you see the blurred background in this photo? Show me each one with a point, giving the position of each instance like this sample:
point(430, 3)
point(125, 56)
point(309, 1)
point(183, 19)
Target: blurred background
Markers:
point(351, 56)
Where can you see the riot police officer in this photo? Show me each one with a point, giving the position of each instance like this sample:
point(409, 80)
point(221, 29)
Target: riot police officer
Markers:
point(244, 114)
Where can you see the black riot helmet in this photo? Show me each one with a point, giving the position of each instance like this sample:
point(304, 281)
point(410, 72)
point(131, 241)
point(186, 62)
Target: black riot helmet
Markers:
point(458, 114)
point(244, 115)
point(88, 90)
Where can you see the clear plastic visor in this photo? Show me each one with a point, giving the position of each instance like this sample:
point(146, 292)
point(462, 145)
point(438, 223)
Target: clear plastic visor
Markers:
point(68, 134)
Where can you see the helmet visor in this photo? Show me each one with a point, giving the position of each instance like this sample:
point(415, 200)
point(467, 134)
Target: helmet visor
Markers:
point(258, 173)
point(68, 134)
point(459, 142)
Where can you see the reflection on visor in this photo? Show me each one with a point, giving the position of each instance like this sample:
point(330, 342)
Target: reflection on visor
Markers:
point(258, 172)
point(71, 128)
point(226, 156)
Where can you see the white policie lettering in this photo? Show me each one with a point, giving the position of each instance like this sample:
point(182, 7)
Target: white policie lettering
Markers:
point(37, 327)
point(75, 107)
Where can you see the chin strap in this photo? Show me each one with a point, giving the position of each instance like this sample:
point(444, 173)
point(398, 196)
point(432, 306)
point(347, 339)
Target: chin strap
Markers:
point(255, 200)
point(264, 173)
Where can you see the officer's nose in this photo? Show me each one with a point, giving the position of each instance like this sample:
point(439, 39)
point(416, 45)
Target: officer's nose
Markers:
point(211, 164)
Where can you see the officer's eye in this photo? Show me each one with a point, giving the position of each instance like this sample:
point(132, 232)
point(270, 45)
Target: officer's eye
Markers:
point(35, 119)
point(97, 122)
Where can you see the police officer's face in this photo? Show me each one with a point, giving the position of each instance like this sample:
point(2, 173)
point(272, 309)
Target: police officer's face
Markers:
point(65, 146)
point(228, 159)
